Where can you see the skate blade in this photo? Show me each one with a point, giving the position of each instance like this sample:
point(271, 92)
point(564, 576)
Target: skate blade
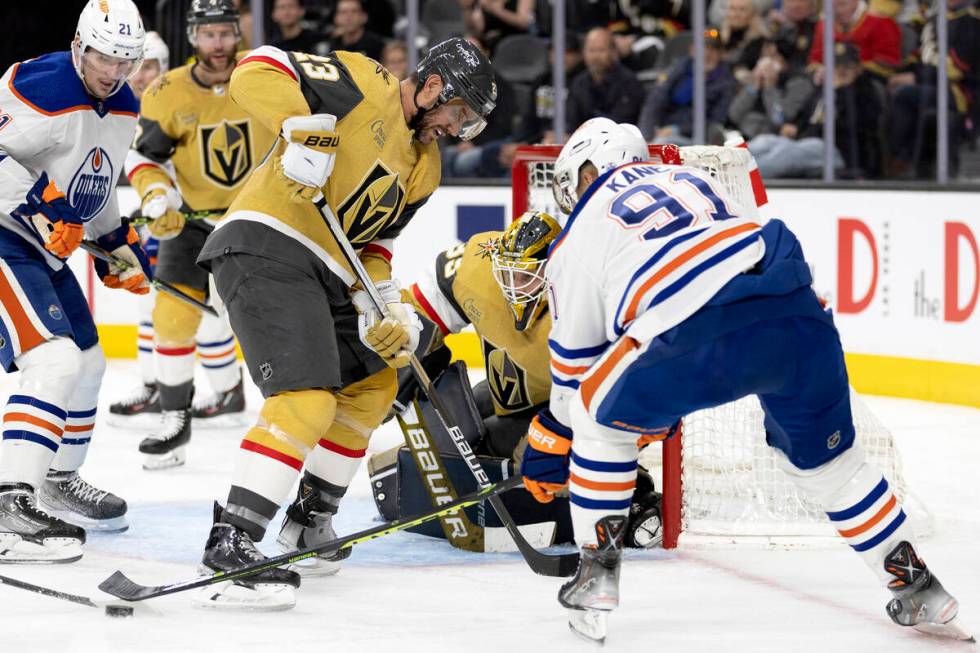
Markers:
point(589, 625)
point(226, 421)
point(55, 550)
point(952, 629)
point(264, 597)
point(155, 462)
point(113, 525)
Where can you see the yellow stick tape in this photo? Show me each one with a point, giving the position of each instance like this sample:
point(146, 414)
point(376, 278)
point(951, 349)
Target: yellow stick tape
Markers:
point(951, 383)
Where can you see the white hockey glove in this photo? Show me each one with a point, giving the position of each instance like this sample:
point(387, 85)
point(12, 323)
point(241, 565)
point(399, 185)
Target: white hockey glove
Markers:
point(310, 154)
point(162, 205)
point(395, 337)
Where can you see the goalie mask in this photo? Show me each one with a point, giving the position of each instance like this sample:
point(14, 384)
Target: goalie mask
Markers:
point(518, 258)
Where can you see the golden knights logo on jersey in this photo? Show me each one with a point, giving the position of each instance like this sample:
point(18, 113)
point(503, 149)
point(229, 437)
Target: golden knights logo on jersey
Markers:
point(507, 380)
point(226, 152)
point(373, 205)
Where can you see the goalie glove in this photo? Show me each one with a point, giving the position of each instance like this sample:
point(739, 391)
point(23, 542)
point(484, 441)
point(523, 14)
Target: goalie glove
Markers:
point(48, 215)
point(162, 205)
point(544, 465)
point(134, 273)
point(394, 337)
point(311, 151)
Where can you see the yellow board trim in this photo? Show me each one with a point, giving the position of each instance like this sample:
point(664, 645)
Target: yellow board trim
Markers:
point(951, 383)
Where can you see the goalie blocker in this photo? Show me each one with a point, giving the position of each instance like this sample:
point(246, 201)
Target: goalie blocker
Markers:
point(398, 488)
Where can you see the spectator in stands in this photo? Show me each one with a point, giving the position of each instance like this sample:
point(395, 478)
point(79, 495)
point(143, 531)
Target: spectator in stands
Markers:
point(912, 118)
point(742, 31)
point(797, 151)
point(878, 39)
point(540, 113)
point(381, 17)
point(394, 57)
point(668, 111)
point(641, 28)
point(245, 24)
point(775, 94)
point(605, 88)
point(796, 21)
point(493, 20)
point(717, 9)
point(349, 31)
point(481, 157)
point(288, 16)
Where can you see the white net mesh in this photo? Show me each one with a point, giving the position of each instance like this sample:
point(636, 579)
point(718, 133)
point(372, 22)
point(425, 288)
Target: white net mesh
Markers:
point(733, 489)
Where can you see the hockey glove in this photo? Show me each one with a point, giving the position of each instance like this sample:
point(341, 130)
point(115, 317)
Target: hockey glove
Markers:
point(311, 151)
point(162, 205)
point(48, 214)
point(134, 273)
point(545, 462)
point(394, 337)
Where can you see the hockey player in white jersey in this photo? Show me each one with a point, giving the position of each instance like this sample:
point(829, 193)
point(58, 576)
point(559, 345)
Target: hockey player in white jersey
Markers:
point(66, 122)
point(666, 300)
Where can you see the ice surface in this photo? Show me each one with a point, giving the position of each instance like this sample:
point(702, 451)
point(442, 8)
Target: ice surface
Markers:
point(407, 593)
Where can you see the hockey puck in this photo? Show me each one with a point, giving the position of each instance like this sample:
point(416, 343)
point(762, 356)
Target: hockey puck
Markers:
point(119, 611)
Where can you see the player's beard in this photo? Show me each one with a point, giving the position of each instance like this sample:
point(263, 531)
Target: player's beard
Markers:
point(208, 63)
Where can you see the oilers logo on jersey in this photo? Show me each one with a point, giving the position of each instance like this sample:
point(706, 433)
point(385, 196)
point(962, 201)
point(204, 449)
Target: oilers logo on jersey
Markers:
point(226, 152)
point(91, 184)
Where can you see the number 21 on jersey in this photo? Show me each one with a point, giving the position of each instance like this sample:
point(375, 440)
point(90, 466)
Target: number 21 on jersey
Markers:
point(661, 211)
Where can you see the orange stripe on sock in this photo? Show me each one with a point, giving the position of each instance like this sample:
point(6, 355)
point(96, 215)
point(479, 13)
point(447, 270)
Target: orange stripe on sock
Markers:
point(603, 486)
point(79, 428)
point(31, 419)
point(221, 355)
point(878, 516)
point(569, 369)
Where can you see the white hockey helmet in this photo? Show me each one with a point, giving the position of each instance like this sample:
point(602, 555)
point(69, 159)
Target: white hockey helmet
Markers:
point(155, 48)
point(113, 28)
point(601, 142)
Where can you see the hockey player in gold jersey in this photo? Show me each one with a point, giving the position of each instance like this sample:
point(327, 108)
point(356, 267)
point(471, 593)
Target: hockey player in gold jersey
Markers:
point(194, 150)
point(350, 130)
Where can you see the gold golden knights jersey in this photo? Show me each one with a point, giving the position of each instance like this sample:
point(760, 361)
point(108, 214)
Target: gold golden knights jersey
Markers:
point(461, 290)
point(380, 178)
point(197, 135)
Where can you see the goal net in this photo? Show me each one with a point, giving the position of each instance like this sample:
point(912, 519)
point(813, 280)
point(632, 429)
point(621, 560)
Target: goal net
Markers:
point(720, 480)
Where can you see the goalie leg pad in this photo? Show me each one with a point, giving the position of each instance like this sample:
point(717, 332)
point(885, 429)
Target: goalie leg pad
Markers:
point(453, 386)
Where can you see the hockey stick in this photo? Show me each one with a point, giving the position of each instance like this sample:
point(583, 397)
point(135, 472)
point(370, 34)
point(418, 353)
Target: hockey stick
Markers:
point(162, 286)
point(545, 564)
point(188, 215)
point(120, 586)
point(37, 589)
point(459, 530)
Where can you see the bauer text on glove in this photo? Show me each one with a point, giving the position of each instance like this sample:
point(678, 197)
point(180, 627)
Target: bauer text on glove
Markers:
point(310, 151)
point(545, 462)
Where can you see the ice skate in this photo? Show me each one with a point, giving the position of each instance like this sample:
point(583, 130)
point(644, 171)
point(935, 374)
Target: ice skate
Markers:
point(29, 535)
point(143, 406)
point(222, 409)
point(230, 547)
point(67, 496)
point(309, 523)
point(920, 599)
point(167, 447)
point(594, 590)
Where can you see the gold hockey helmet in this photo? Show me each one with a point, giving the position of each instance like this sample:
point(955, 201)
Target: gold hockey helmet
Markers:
point(518, 257)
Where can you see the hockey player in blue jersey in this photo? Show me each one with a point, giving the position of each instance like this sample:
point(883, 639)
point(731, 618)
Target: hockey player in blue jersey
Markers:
point(66, 122)
point(666, 299)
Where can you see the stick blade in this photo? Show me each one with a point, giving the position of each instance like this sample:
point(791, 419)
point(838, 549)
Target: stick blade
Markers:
point(120, 586)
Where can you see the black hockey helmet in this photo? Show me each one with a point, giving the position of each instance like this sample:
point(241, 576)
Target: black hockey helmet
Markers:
point(209, 12)
point(466, 74)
